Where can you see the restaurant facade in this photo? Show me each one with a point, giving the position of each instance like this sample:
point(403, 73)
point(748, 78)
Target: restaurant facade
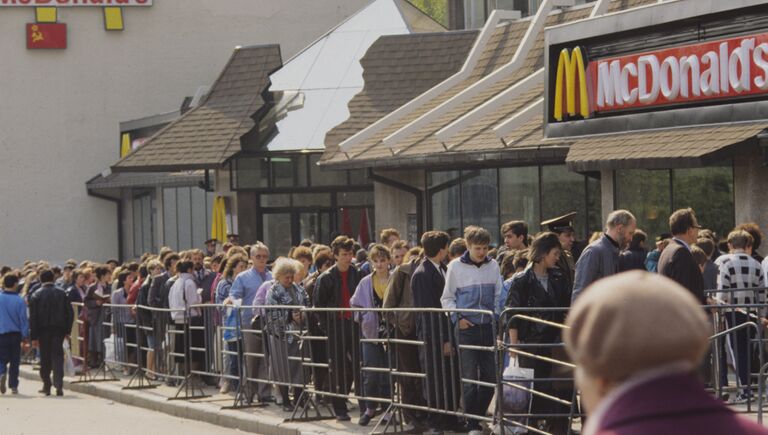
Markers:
point(644, 105)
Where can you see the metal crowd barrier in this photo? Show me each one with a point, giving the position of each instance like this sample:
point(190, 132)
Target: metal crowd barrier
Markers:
point(738, 341)
point(324, 360)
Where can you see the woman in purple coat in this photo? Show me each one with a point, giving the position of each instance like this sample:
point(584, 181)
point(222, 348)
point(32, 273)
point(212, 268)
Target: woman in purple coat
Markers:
point(370, 294)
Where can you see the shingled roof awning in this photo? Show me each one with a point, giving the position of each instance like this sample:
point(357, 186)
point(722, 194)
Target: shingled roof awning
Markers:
point(111, 184)
point(660, 149)
point(209, 135)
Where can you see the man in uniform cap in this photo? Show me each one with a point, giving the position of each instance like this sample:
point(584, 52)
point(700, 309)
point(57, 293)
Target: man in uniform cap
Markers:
point(563, 227)
point(210, 247)
point(637, 339)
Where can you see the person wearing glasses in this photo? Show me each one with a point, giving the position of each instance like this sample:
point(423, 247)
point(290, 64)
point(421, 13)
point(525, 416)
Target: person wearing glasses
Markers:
point(243, 293)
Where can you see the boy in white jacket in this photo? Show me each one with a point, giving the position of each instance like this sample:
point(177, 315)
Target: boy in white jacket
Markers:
point(473, 282)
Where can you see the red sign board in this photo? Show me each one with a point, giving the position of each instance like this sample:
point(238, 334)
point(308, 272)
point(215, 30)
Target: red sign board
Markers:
point(46, 35)
point(719, 69)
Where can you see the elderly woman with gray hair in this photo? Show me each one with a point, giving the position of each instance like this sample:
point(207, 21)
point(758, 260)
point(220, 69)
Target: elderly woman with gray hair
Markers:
point(284, 326)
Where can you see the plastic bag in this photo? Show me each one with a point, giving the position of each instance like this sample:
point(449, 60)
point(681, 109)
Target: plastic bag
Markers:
point(515, 400)
point(109, 351)
point(69, 365)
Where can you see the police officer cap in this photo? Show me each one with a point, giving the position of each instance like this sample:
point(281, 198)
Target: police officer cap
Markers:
point(560, 224)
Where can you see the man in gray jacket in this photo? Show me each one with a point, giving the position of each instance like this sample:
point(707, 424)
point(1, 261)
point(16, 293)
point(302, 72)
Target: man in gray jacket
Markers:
point(601, 258)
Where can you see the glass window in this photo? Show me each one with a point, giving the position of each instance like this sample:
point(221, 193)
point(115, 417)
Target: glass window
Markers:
point(315, 227)
point(200, 230)
point(359, 177)
point(147, 224)
point(137, 231)
point(184, 210)
point(594, 206)
point(324, 178)
point(474, 14)
point(446, 202)
point(646, 193)
point(356, 222)
point(354, 198)
point(563, 191)
point(709, 192)
point(480, 200)
point(436, 9)
point(170, 224)
point(311, 199)
point(519, 196)
point(275, 200)
point(302, 170)
point(282, 171)
point(277, 233)
point(251, 173)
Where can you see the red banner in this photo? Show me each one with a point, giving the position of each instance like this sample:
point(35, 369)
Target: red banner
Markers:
point(46, 35)
point(721, 69)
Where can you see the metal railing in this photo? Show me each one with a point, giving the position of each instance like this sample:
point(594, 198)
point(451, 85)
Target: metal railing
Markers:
point(322, 358)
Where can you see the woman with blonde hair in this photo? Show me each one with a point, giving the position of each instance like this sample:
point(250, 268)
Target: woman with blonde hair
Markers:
point(283, 326)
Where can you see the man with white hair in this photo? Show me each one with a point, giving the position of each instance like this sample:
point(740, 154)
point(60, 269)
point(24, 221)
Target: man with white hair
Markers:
point(243, 293)
point(642, 377)
point(601, 258)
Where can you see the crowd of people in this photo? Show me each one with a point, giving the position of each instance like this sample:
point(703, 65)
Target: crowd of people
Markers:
point(473, 282)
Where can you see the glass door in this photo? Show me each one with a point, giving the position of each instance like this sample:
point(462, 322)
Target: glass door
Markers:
point(315, 226)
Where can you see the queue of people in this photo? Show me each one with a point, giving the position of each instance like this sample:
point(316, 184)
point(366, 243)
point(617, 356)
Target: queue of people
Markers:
point(466, 278)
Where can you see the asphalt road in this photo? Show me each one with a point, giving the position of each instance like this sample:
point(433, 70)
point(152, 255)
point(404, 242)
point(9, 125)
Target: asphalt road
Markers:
point(30, 413)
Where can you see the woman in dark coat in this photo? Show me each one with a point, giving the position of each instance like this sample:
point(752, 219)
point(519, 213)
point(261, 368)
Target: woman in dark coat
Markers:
point(542, 285)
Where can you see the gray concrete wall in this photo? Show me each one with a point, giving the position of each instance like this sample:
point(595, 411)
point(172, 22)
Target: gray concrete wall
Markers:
point(61, 109)
point(750, 178)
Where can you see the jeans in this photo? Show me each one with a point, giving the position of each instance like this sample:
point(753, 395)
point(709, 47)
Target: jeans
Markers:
point(375, 384)
point(10, 354)
point(232, 362)
point(740, 345)
point(477, 365)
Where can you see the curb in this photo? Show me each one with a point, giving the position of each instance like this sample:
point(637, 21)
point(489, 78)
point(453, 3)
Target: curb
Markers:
point(188, 410)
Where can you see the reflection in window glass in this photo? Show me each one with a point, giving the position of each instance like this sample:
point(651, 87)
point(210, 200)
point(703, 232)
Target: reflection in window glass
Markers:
point(325, 178)
point(311, 199)
point(480, 198)
point(277, 233)
point(436, 9)
point(354, 198)
point(251, 172)
point(519, 196)
point(275, 200)
point(474, 14)
point(645, 193)
point(282, 171)
point(594, 206)
point(352, 220)
point(315, 227)
point(170, 226)
point(439, 179)
point(446, 209)
point(709, 192)
point(562, 191)
point(184, 213)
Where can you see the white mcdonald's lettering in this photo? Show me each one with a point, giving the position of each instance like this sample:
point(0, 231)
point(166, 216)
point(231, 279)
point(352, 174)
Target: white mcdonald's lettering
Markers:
point(674, 75)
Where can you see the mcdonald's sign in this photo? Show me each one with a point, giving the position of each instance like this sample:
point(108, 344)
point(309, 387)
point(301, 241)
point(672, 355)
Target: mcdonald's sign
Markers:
point(571, 92)
point(705, 72)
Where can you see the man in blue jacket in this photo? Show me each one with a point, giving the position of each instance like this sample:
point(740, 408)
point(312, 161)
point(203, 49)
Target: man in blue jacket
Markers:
point(14, 326)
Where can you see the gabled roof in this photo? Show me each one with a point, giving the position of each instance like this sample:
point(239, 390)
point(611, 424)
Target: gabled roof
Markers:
point(327, 74)
point(423, 147)
point(208, 135)
point(396, 69)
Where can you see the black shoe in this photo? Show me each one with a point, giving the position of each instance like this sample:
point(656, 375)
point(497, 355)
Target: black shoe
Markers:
point(14, 391)
point(59, 392)
point(287, 407)
point(364, 420)
point(2, 384)
point(343, 417)
point(45, 391)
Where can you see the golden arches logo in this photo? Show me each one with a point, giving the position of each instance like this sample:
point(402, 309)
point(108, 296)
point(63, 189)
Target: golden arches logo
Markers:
point(570, 68)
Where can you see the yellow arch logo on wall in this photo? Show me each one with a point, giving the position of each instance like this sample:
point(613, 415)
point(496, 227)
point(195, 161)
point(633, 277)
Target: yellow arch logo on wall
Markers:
point(571, 69)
